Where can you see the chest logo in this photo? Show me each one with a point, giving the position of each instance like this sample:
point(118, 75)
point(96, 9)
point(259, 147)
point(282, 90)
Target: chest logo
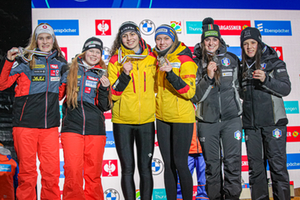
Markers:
point(263, 66)
point(225, 62)
point(38, 78)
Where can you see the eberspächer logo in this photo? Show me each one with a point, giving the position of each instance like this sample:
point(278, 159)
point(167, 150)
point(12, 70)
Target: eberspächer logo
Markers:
point(157, 166)
point(274, 27)
point(147, 27)
point(103, 27)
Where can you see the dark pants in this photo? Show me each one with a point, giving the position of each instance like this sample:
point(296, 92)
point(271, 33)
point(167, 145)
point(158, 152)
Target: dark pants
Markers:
point(267, 144)
point(174, 141)
point(143, 135)
point(221, 144)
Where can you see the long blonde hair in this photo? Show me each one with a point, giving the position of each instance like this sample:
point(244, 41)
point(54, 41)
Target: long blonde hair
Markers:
point(33, 45)
point(72, 90)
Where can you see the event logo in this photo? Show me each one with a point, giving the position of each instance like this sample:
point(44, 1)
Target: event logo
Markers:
point(157, 166)
point(292, 134)
point(245, 166)
point(232, 27)
point(147, 27)
point(64, 51)
point(177, 26)
point(279, 52)
point(159, 194)
point(291, 107)
point(194, 27)
point(111, 194)
point(63, 27)
point(110, 142)
point(236, 50)
point(293, 161)
point(274, 27)
point(110, 168)
point(103, 27)
point(277, 133)
point(105, 55)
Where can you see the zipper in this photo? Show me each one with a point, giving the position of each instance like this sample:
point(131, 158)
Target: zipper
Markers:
point(133, 82)
point(220, 105)
point(137, 66)
point(23, 109)
point(144, 81)
point(83, 113)
point(252, 82)
point(46, 106)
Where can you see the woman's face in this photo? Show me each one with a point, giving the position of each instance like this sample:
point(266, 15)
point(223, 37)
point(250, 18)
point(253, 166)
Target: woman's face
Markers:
point(92, 56)
point(163, 42)
point(211, 44)
point(45, 42)
point(131, 41)
point(250, 47)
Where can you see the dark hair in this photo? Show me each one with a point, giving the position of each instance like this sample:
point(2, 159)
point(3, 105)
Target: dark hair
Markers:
point(257, 58)
point(116, 45)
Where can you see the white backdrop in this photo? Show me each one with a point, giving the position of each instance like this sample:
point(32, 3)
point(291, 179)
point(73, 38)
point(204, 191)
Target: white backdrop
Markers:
point(188, 26)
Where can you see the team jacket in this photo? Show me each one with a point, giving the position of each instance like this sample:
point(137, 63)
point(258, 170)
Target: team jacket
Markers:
point(133, 95)
point(92, 99)
point(262, 102)
point(36, 93)
point(8, 177)
point(217, 102)
point(176, 88)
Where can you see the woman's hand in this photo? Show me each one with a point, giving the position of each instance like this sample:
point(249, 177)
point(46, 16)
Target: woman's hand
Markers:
point(211, 68)
point(104, 81)
point(127, 67)
point(12, 53)
point(167, 67)
point(259, 74)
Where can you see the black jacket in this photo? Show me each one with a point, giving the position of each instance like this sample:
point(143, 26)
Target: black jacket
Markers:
point(262, 102)
point(217, 102)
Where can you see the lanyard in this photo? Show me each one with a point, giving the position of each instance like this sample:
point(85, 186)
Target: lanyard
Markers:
point(122, 60)
point(33, 52)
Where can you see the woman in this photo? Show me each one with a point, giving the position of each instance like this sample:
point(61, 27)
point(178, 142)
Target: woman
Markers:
point(131, 71)
point(83, 133)
point(265, 81)
point(174, 111)
point(36, 110)
point(218, 113)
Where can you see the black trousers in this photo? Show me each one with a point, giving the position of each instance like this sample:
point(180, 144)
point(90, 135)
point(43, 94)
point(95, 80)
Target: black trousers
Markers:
point(143, 135)
point(221, 144)
point(267, 144)
point(174, 141)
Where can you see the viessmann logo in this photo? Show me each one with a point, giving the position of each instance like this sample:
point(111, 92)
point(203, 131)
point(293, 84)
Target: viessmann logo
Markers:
point(232, 27)
point(274, 27)
point(63, 27)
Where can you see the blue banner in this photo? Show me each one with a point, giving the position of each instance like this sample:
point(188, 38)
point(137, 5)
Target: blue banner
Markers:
point(276, 28)
point(63, 27)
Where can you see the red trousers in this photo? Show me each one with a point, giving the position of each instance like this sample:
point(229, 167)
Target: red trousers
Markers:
point(30, 142)
point(83, 155)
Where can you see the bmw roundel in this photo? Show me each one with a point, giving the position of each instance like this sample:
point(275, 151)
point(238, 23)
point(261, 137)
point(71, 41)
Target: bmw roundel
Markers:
point(147, 27)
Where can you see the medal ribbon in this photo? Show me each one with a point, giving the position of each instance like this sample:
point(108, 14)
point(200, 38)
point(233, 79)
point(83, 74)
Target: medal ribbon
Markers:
point(33, 52)
point(122, 60)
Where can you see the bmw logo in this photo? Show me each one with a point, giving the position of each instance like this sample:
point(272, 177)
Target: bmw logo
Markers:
point(111, 194)
point(147, 27)
point(157, 166)
point(105, 54)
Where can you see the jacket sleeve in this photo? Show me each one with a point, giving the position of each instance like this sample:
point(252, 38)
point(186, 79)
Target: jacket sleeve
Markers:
point(102, 97)
point(63, 85)
point(184, 84)
point(278, 81)
point(7, 78)
point(118, 80)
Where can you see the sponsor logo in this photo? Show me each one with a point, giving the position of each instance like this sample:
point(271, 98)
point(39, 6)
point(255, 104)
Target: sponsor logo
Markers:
point(52, 66)
point(236, 50)
point(291, 107)
point(274, 27)
point(105, 54)
point(176, 64)
point(277, 133)
point(61, 166)
point(92, 78)
point(55, 79)
point(237, 135)
point(245, 166)
point(293, 161)
point(54, 72)
point(137, 194)
point(263, 66)
point(279, 52)
point(159, 194)
point(292, 134)
point(91, 84)
point(38, 78)
point(88, 90)
point(225, 62)
point(5, 168)
point(39, 66)
point(103, 27)
point(226, 73)
point(63, 27)
point(111, 194)
point(64, 51)
point(110, 142)
point(157, 166)
point(194, 27)
point(177, 26)
point(78, 76)
point(147, 27)
point(39, 71)
point(232, 27)
point(110, 168)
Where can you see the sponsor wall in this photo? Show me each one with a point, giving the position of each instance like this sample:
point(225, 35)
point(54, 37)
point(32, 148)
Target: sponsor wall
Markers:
point(279, 29)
